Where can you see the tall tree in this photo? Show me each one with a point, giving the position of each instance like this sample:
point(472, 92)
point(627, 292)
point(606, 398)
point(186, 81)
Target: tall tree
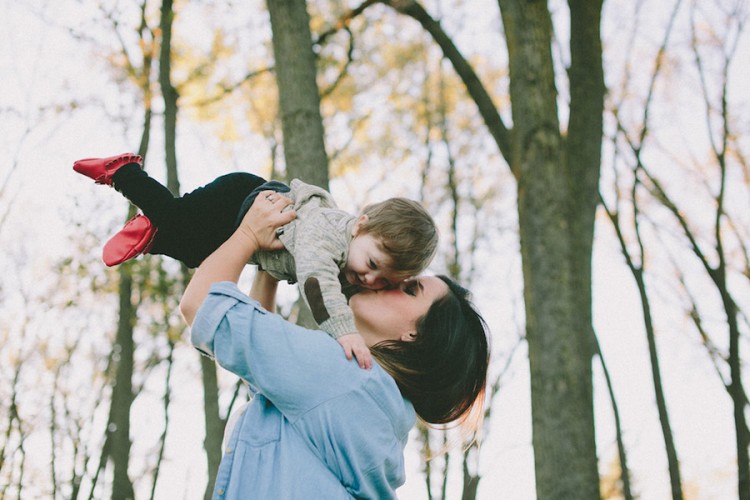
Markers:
point(557, 195)
point(714, 237)
point(118, 440)
point(636, 262)
point(299, 103)
point(299, 97)
point(214, 423)
point(557, 173)
point(117, 445)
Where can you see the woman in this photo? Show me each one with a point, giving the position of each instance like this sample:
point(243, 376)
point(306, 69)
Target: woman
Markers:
point(319, 426)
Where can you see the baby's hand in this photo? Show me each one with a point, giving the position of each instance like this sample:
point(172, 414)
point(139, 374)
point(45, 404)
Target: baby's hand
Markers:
point(354, 344)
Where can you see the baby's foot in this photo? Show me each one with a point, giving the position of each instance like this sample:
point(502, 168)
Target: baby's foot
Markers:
point(134, 239)
point(101, 169)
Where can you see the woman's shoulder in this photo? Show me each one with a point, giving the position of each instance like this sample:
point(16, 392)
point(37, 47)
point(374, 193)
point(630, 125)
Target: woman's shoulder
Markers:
point(387, 398)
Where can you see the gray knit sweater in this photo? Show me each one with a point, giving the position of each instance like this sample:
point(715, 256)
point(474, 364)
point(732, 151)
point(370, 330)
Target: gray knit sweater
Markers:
point(317, 246)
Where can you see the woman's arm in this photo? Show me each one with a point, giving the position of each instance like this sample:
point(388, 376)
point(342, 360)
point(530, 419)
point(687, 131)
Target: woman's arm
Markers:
point(264, 289)
point(256, 232)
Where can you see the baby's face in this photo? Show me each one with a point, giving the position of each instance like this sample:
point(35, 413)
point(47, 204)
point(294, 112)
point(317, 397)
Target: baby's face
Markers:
point(368, 265)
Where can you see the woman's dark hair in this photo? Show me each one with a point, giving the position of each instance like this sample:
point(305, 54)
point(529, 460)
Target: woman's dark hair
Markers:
point(443, 371)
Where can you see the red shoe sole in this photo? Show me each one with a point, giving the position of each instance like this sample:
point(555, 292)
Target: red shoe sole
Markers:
point(134, 239)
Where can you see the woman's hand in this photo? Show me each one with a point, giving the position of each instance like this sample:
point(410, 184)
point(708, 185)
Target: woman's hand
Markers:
point(268, 213)
point(257, 231)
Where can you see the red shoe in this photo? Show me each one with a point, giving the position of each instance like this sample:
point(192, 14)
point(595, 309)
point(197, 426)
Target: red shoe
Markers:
point(135, 238)
point(101, 169)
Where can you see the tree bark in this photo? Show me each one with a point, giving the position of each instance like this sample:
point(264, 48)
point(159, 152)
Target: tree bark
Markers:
point(170, 96)
point(118, 426)
point(557, 198)
point(299, 103)
point(583, 150)
point(556, 213)
point(299, 96)
point(213, 422)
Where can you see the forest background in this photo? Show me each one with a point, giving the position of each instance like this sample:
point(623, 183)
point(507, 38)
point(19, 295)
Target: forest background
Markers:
point(549, 139)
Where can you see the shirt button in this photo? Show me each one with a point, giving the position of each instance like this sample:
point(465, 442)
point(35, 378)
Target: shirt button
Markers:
point(220, 491)
point(229, 450)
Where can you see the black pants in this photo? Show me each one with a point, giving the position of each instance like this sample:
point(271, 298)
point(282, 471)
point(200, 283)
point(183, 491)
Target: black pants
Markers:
point(192, 226)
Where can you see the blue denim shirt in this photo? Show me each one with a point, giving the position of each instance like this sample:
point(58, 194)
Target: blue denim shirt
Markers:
point(318, 426)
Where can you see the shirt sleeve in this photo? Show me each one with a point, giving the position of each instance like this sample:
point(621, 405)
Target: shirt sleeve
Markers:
point(295, 368)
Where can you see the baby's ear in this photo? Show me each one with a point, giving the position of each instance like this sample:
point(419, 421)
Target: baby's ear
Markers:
point(361, 222)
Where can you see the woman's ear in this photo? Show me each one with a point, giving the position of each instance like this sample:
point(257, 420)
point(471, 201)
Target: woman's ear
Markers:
point(361, 222)
point(409, 337)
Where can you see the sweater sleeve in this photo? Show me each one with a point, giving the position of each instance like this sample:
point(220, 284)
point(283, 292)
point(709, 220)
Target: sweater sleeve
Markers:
point(320, 253)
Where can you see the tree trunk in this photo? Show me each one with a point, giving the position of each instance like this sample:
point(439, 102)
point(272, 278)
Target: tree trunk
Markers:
point(299, 103)
point(557, 199)
point(117, 444)
point(214, 424)
point(627, 492)
point(583, 150)
point(661, 400)
point(118, 427)
point(556, 212)
point(739, 399)
point(471, 481)
point(299, 97)
point(169, 94)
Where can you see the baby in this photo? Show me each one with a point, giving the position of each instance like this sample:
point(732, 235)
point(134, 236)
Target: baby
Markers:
point(326, 249)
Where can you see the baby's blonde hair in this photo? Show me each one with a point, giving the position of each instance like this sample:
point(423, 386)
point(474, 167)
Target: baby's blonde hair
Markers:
point(406, 232)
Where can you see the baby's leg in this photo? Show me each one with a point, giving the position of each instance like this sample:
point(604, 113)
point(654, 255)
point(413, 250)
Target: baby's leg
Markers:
point(193, 226)
point(155, 200)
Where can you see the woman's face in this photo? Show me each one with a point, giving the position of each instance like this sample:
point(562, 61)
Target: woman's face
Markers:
point(393, 314)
